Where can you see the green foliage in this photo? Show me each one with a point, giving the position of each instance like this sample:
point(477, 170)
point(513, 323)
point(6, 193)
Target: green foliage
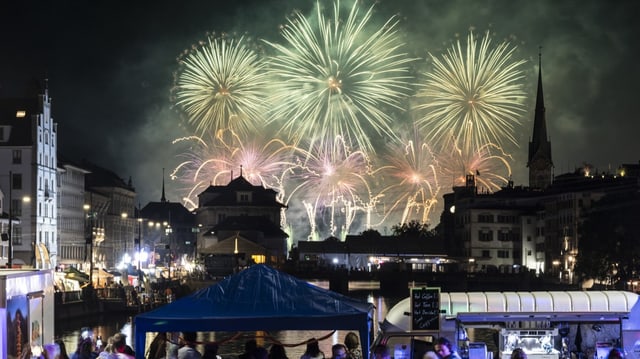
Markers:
point(413, 229)
point(371, 234)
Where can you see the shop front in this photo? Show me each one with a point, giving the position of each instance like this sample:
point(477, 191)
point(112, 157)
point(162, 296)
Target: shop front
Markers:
point(546, 325)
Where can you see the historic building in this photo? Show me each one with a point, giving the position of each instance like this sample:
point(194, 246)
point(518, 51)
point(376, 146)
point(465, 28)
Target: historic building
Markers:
point(73, 248)
point(528, 228)
point(110, 218)
point(540, 163)
point(167, 231)
point(28, 155)
point(242, 221)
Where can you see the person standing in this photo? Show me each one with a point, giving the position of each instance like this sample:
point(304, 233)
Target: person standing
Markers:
point(120, 343)
point(339, 351)
point(188, 350)
point(313, 350)
point(353, 345)
point(277, 352)
point(518, 353)
point(250, 347)
point(158, 347)
point(381, 352)
point(211, 351)
point(445, 350)
point(62, 349)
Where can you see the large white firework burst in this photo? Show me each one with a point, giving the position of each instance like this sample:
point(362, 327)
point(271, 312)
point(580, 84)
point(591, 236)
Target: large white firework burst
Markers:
point(473, 96)
point(411, 177)
point(221, 85)
point(338, 77)
point(262, 161)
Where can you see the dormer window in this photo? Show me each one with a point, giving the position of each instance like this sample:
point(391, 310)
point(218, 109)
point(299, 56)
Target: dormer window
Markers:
point(243, 197)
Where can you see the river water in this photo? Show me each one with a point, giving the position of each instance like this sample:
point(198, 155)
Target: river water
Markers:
point(108, 325)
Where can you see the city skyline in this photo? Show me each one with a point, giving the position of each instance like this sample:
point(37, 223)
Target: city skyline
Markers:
point(133, 137)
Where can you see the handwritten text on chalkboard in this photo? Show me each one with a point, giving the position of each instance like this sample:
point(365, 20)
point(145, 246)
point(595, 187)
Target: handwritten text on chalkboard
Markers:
point(425, 308)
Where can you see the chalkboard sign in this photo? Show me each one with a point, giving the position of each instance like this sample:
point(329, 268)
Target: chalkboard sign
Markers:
point(425, 308)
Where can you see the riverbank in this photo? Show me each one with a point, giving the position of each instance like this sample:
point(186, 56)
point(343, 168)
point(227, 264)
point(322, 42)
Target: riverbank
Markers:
point(126, 300)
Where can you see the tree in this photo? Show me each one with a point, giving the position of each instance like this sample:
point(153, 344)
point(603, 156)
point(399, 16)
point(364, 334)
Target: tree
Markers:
point(371, 234)
point(413, 229)
point(609, 245)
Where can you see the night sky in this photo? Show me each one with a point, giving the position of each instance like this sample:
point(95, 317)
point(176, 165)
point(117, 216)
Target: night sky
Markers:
point(110, 67)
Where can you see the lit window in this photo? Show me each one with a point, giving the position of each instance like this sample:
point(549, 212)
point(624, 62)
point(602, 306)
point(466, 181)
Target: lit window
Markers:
point(21, 114)
point(258, 258)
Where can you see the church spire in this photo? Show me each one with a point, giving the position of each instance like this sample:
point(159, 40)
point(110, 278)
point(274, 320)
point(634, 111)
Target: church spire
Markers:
point(540, 124)
point(540, 163)
point(163, 199)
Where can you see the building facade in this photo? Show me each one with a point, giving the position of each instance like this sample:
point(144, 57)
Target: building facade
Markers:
point(28, 158)
point(167, 231)
point(72, 246)
point(109, 202)
point(241, 213)
point(529, 228)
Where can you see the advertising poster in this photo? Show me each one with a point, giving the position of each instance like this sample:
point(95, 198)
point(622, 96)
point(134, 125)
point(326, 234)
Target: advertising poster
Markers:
point(35, 320)
point(17, 326)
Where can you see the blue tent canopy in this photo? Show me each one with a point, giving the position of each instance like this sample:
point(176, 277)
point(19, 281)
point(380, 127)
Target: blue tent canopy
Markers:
point(258, 298)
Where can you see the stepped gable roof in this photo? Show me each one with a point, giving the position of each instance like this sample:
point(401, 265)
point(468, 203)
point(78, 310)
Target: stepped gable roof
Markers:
point(249, 223)
point(170, 211)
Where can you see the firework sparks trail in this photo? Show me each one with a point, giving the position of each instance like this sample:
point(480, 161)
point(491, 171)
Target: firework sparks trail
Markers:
point(221, 85)
point(488, 164)
point(413, 171)
point(474, 96)
point(337, 78)
point(262, 163)
point(330, 182)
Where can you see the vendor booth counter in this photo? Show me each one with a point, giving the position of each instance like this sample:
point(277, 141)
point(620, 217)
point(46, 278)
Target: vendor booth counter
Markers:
point(545, 324)
point(26, 311)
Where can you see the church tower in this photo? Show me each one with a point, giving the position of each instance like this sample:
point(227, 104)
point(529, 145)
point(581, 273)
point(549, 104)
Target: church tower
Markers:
point(540, 163)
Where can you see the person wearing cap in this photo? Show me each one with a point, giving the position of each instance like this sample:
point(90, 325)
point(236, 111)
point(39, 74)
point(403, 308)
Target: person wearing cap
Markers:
point(120, 343)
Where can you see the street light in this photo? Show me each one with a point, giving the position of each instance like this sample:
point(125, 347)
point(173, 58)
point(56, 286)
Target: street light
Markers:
point(9, 235)
point(124, 216)
point(89, 239)
point(9, 230)
point(138, 242)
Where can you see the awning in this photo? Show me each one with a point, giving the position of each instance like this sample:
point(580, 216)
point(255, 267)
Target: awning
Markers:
point(582, 317)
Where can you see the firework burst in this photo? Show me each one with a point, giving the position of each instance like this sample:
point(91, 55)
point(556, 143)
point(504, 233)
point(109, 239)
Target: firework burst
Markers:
point(213, 163)
point(488, 165)
point(221, 85)
point(336, 78)
point(473, 96)
point(413, 172)
point(331, 184)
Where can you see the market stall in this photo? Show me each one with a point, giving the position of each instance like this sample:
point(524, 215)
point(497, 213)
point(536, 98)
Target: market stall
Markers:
point(26, 311)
